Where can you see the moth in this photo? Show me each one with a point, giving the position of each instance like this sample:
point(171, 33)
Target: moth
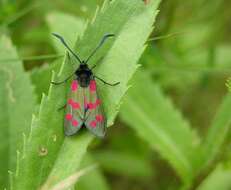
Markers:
point(83, 106)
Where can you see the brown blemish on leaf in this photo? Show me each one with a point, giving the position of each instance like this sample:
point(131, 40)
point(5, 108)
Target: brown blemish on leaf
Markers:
point(146, 1)
point(42, 151)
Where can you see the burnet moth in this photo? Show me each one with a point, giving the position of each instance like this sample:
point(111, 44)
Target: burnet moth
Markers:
point(83, 106)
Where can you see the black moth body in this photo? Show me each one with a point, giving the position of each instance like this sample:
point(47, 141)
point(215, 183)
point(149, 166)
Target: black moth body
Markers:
point(83, 106)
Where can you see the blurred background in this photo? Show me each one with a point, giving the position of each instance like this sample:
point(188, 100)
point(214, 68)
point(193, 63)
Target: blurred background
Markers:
point(182, 82)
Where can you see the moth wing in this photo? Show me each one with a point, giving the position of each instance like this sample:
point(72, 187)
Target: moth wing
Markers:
point(95, 120)
point(74, 109)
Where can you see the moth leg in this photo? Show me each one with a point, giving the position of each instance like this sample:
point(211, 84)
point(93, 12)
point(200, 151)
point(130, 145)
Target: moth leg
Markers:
point(58, 83)
point(59, 109)
point(110, 84)
point(100, 59)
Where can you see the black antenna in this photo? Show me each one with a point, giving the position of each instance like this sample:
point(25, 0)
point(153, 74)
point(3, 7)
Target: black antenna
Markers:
point(99, 45)
point(65, 44)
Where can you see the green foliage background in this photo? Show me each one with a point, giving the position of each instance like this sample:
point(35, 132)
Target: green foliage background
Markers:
point(168, 120)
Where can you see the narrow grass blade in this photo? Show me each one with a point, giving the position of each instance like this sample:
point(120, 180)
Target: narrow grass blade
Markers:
point(17, 102)
point(156, 121)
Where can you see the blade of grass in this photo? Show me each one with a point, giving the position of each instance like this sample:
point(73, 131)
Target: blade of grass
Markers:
point(46, 138)
point(122, 28)
point(19, 14)
point(33, 58)
point(220, 178)
point(155, 119)
point(218, 132)
point(17, 102)
point(97, 179)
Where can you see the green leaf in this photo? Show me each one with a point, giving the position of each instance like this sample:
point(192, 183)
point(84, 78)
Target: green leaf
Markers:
point(67, 161)
point(120, 54)
point(17, 102)
point(41, 77)
point(155, 119)
point(220, 178)
point(95, 177)
point(228, 84)
point(118, 163)
point(46, 140)
point(70, 181)
point(218, 132)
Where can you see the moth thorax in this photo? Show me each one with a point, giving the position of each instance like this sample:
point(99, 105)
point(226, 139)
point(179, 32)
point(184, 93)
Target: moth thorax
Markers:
point(84, 80)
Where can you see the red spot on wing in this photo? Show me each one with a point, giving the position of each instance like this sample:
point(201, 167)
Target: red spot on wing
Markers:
point(93, 124)
point(91, 106)
point(74, 85)
point(97, 102)
point(92, 86)
point(99, 118)
point(75, 105)
point(70, 101)
point(68, 116)
point(75, 123)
